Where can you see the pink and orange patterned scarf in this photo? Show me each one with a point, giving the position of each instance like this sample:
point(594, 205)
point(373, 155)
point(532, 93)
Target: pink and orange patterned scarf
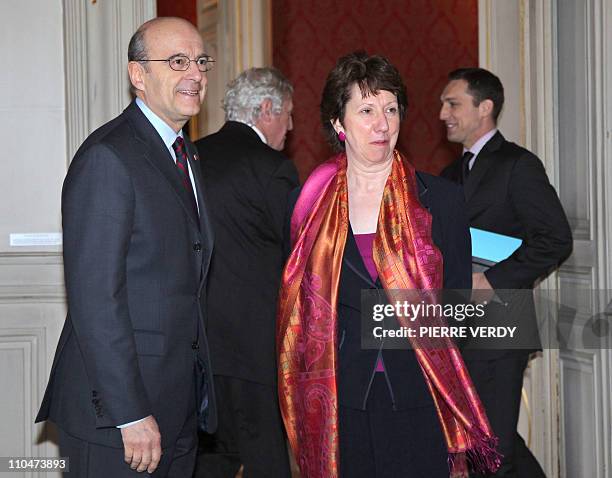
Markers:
point(405, 258)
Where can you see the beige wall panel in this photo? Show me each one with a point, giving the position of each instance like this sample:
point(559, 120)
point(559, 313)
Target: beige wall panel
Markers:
point(48, 104)
point(32, 118)
point(238, 34)
point(28, 333)
point(500, 43)
point(580, 427)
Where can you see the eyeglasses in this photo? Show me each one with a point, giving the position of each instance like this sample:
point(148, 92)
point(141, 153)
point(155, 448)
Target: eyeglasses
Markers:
point(182, 62)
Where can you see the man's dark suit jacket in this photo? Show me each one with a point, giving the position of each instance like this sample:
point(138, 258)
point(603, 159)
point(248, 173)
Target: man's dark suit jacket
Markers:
point(508, 192)
point(356, 366)
point(247, 184)
point(135, 260)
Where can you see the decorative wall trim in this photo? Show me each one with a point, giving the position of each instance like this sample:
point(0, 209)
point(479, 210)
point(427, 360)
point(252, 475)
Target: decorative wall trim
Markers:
point(213, 26)
point(30, 344)
point(95, 38)
point(580, 398)
point(240, 32)
point(75, 47)
point(28, 336)
point(500, 42)
point(606, 229)
point(119, 58)
point(485, 24)
point(247, 21)
point(33, 277)
point(24, 348)
point(268, 28)
point(515, 43)
point(524, 73)
point(249, 25)
point(540, 91)
point(34, 294)
point(606, 55)
point(47, 257)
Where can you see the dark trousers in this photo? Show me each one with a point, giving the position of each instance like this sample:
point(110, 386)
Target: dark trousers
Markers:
point(379, 442)
point(499, 382)
point(90, 460)
point(250, 433)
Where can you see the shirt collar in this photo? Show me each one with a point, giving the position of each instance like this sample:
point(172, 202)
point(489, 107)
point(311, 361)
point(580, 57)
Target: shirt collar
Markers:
point(478, 145)
point(168, 135)
point(259, 133)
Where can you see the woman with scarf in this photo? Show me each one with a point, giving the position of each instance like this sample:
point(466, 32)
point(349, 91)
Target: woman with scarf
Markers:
point(365, 219)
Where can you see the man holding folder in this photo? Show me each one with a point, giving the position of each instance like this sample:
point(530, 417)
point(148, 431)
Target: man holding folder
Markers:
point(507, 192)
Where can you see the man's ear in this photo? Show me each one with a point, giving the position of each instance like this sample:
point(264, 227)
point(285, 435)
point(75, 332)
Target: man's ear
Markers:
point(265, 116)
point(486, 108)
point(136, 71)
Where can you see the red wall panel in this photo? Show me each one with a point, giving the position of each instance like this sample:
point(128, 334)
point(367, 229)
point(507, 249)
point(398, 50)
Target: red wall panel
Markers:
point(424, 39)
point(186, 9)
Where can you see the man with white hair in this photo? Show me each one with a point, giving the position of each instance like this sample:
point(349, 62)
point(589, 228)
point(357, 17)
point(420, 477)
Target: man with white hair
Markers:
point(248, 180)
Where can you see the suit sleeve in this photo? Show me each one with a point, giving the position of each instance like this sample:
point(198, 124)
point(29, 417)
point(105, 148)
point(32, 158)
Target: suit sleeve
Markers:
point(452, 171)
point(97, 215)
point(291, 200)
point(282, 182)
point(458, 244)
point(547, 238)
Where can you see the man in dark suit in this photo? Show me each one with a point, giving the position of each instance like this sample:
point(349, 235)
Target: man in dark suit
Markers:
point(137, 246)
point(507, 192)
point(247, 180)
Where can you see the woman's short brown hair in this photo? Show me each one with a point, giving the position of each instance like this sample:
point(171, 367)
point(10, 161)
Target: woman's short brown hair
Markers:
point(372, 74)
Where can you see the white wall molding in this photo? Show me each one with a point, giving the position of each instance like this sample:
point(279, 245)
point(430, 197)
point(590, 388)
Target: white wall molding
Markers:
point(515, 43)
point(28, 336)
point(247, 34)
point(581, 426)
point(500, 39)
point(32, 276)
point(538, 135)
point(75, 46)
point(555, 61)
point(238, 33)
point(96, 37)
point(606, 251)
point(17, 294)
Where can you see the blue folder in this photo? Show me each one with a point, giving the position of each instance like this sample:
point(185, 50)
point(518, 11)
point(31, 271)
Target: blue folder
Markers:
point(489, 248)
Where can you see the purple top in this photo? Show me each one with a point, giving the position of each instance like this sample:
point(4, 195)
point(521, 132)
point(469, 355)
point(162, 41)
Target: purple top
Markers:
point(364, 244)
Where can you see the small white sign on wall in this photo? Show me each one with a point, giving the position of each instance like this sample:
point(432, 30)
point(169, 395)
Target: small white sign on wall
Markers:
point(35, 239)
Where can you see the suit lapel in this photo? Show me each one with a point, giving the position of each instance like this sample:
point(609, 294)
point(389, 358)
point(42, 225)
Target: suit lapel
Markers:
point(423, 191)
point(205, 226)
point(159, 157)
point(354, 276)
point(353, 260)
point(453, 172)
point(426, 201)
point(483, 162)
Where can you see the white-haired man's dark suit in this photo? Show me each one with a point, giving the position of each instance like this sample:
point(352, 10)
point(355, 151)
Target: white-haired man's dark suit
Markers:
point(248, 183)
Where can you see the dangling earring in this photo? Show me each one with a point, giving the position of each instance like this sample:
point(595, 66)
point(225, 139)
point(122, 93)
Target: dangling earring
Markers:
point(342, 136)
